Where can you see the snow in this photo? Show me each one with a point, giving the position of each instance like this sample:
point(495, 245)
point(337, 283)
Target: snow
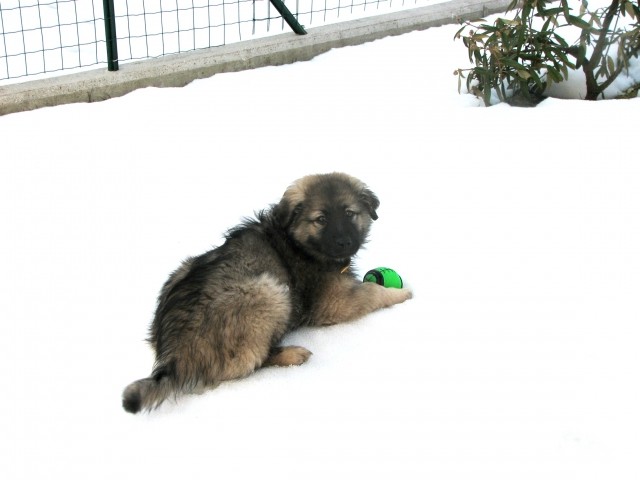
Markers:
point(517, 229)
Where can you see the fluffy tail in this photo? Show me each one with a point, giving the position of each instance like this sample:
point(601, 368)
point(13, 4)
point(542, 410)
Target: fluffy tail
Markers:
point(148, 393)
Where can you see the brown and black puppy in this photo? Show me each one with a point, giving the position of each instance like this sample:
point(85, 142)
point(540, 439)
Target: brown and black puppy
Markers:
point(223, 314)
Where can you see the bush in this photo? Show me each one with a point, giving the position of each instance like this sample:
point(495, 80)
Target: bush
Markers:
point(513, 57)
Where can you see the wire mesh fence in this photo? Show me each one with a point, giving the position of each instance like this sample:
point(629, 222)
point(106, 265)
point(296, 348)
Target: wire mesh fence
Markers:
point(49, 37)
point(39, 36)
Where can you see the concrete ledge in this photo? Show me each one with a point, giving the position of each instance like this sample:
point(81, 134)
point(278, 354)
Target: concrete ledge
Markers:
point(181, 69)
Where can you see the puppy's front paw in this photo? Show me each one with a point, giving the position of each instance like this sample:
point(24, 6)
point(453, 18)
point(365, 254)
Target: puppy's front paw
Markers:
point(406, 294)
point(400, 295)
point(386, 297)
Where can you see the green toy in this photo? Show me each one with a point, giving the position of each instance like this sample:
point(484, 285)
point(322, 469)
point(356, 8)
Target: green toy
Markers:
point(386, 277)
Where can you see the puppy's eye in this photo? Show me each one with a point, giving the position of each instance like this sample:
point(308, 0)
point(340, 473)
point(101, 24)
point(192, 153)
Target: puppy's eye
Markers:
point(321, 220)
point(349, 213)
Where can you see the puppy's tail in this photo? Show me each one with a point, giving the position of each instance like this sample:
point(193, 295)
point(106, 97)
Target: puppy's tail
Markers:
point(149, 393)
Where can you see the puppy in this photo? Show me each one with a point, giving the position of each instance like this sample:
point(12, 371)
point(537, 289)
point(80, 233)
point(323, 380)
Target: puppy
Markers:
point(222, 315)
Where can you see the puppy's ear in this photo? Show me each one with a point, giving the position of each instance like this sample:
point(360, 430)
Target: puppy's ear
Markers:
point(291, 203)
point(369, 199)
point(286, 213)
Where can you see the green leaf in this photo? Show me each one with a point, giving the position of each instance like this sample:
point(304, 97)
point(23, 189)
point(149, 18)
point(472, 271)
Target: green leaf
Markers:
point(512, 23)
point(554, 74)
point(561, 41)
point(459, 33)
point(577, 22)
point(536, 78)
point(482, 71)
point(628, 9)
point(488, 28)
point(550, 12)
point(611, 66)
point(512, 63)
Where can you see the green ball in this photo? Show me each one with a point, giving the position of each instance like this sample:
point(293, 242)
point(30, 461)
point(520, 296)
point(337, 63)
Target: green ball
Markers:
point(384, 276)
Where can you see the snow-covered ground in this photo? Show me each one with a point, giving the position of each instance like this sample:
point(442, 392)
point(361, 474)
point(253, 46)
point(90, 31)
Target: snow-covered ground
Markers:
point(517, 229)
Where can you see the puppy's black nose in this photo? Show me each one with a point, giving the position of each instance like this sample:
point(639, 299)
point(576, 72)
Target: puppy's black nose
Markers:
point(343, 242)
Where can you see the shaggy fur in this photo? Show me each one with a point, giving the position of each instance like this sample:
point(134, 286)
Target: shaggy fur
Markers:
point(223, 314)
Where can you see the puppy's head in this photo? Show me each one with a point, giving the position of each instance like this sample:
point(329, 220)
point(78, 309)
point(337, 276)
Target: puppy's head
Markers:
point(328, 216)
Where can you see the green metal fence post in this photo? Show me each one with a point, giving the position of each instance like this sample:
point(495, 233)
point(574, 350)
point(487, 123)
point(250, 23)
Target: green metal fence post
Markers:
point(110, 35)
point(288, 17)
